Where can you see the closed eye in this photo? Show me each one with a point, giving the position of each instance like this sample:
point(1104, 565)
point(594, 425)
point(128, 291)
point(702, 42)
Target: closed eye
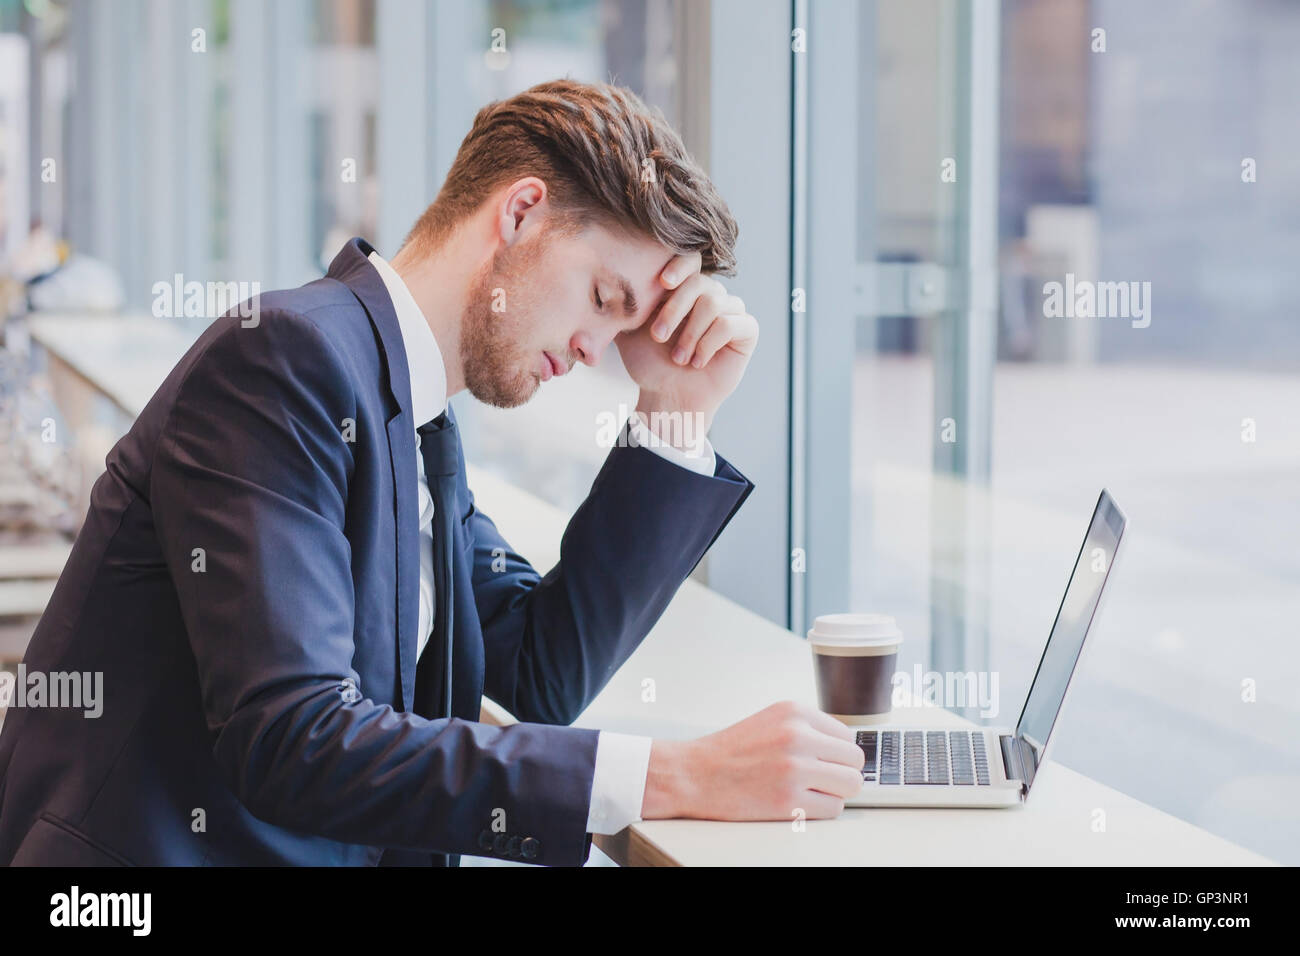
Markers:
point(600, 306)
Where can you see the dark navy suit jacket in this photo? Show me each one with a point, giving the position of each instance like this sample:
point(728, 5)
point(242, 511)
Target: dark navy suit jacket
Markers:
point(247, 582)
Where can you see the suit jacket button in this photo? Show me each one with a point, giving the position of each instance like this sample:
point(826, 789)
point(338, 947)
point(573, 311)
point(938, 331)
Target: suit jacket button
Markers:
point(499, 844)
point(530, 848)
point(485, 839)
point(512, 848)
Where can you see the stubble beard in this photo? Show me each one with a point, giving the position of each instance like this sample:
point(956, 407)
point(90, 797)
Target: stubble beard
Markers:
point(496, 371)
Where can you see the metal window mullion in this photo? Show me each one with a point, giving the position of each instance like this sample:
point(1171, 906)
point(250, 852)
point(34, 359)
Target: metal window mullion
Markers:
point(799, 399)
point(249, 225)
point(293, 259)
point(401, 30)
point(831, 176)
point(195, 140)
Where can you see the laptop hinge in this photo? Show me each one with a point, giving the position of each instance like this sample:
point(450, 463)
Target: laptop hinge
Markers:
point(1017, 760)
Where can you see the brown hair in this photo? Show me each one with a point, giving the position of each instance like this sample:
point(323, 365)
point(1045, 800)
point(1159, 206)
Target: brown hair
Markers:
point(589, 143)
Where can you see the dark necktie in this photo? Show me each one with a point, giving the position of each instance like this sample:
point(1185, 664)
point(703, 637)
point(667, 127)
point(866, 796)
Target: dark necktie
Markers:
point(438, 448)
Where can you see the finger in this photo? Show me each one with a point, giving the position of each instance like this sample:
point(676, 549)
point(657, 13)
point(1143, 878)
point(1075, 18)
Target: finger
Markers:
point(727, 330)
point(834, 779)
point(707, 308)
point(819, 806)
point(678, 268)
point(679, 303)
point(836, 750)
point(718, 335)
point(830, 725)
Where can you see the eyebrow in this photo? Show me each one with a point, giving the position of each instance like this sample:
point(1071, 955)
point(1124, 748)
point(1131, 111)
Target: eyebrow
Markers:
point(629, 297)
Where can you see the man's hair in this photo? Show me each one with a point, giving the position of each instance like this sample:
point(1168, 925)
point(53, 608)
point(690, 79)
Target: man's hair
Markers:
point(606, 159)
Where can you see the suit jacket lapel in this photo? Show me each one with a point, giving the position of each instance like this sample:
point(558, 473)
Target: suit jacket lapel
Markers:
point(352, 268)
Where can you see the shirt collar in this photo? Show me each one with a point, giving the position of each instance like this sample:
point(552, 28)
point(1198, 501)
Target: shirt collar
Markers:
point(423, 357)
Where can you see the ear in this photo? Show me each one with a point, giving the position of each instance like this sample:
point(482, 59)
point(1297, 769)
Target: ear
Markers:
point(521, 209)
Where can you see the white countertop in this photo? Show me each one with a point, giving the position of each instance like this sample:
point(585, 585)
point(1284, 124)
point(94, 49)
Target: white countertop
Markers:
point(125, 356)
point(714, 662)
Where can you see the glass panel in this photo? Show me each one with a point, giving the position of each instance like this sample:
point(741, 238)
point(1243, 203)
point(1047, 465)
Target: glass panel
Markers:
point(905, 114)
point(343, 95)
point(1165, 167)
point(271, 142)
point(1155, 165)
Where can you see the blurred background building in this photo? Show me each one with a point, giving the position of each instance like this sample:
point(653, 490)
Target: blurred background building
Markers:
point(909, 177)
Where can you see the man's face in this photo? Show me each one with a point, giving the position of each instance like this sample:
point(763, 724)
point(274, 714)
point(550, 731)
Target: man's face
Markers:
point(552, 300)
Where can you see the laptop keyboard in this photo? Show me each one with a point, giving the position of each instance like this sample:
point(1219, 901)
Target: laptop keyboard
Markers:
point(924, 757)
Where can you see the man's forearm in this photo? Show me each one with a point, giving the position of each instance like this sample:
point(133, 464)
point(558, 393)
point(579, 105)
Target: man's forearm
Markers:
point(567, 633)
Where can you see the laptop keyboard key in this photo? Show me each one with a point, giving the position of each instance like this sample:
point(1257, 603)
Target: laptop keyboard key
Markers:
point(936, 757)
point(913, 757)
point(963, 764)
point(981, 760)
point(963, 760)
point(889, 756)
point(868, 740)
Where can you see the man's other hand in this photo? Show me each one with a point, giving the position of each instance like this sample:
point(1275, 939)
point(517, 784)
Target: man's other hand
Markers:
point(691, 353)
point(783, 760)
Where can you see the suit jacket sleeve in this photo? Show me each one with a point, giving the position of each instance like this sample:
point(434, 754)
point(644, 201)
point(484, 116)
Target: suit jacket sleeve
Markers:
point(251, 468)
point(552, 643)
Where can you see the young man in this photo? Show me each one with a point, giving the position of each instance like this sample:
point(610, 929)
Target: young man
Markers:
point(283, 555)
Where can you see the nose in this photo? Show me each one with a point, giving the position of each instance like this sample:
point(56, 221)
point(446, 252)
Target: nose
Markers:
point(589, 347)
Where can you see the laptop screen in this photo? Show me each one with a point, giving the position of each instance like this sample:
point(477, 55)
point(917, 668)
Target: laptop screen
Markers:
point(1082, 594)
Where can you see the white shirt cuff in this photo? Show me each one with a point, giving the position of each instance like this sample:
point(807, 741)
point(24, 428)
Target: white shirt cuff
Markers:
point(618, 786)
point(701, 460)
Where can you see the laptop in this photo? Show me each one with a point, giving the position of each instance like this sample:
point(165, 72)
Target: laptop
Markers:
point(990, 767)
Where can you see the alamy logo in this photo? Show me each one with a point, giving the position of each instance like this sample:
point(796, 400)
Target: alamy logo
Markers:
point(1080, 298)
point(656, 429)
point(949, 689)
point(75, 908)
point(206, 300)
point(75, 689)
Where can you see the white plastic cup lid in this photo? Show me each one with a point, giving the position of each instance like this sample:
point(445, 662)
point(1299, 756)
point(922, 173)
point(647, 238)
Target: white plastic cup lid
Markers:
point(855, 629)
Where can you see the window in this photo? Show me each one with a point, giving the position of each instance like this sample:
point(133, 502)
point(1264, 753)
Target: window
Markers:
point(1003, 152)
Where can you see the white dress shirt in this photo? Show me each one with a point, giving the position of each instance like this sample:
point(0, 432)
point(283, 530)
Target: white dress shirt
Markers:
point(622, 760)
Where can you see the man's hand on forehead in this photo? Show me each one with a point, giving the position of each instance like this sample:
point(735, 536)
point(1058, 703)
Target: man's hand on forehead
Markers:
point(691, 352)
point(678, 268)
point(691, 310)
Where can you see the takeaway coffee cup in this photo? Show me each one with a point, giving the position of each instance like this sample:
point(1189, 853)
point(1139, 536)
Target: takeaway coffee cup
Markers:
point(854, 657)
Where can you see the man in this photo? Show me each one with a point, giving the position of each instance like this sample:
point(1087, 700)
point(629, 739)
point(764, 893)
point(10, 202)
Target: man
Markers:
point(283, 555)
